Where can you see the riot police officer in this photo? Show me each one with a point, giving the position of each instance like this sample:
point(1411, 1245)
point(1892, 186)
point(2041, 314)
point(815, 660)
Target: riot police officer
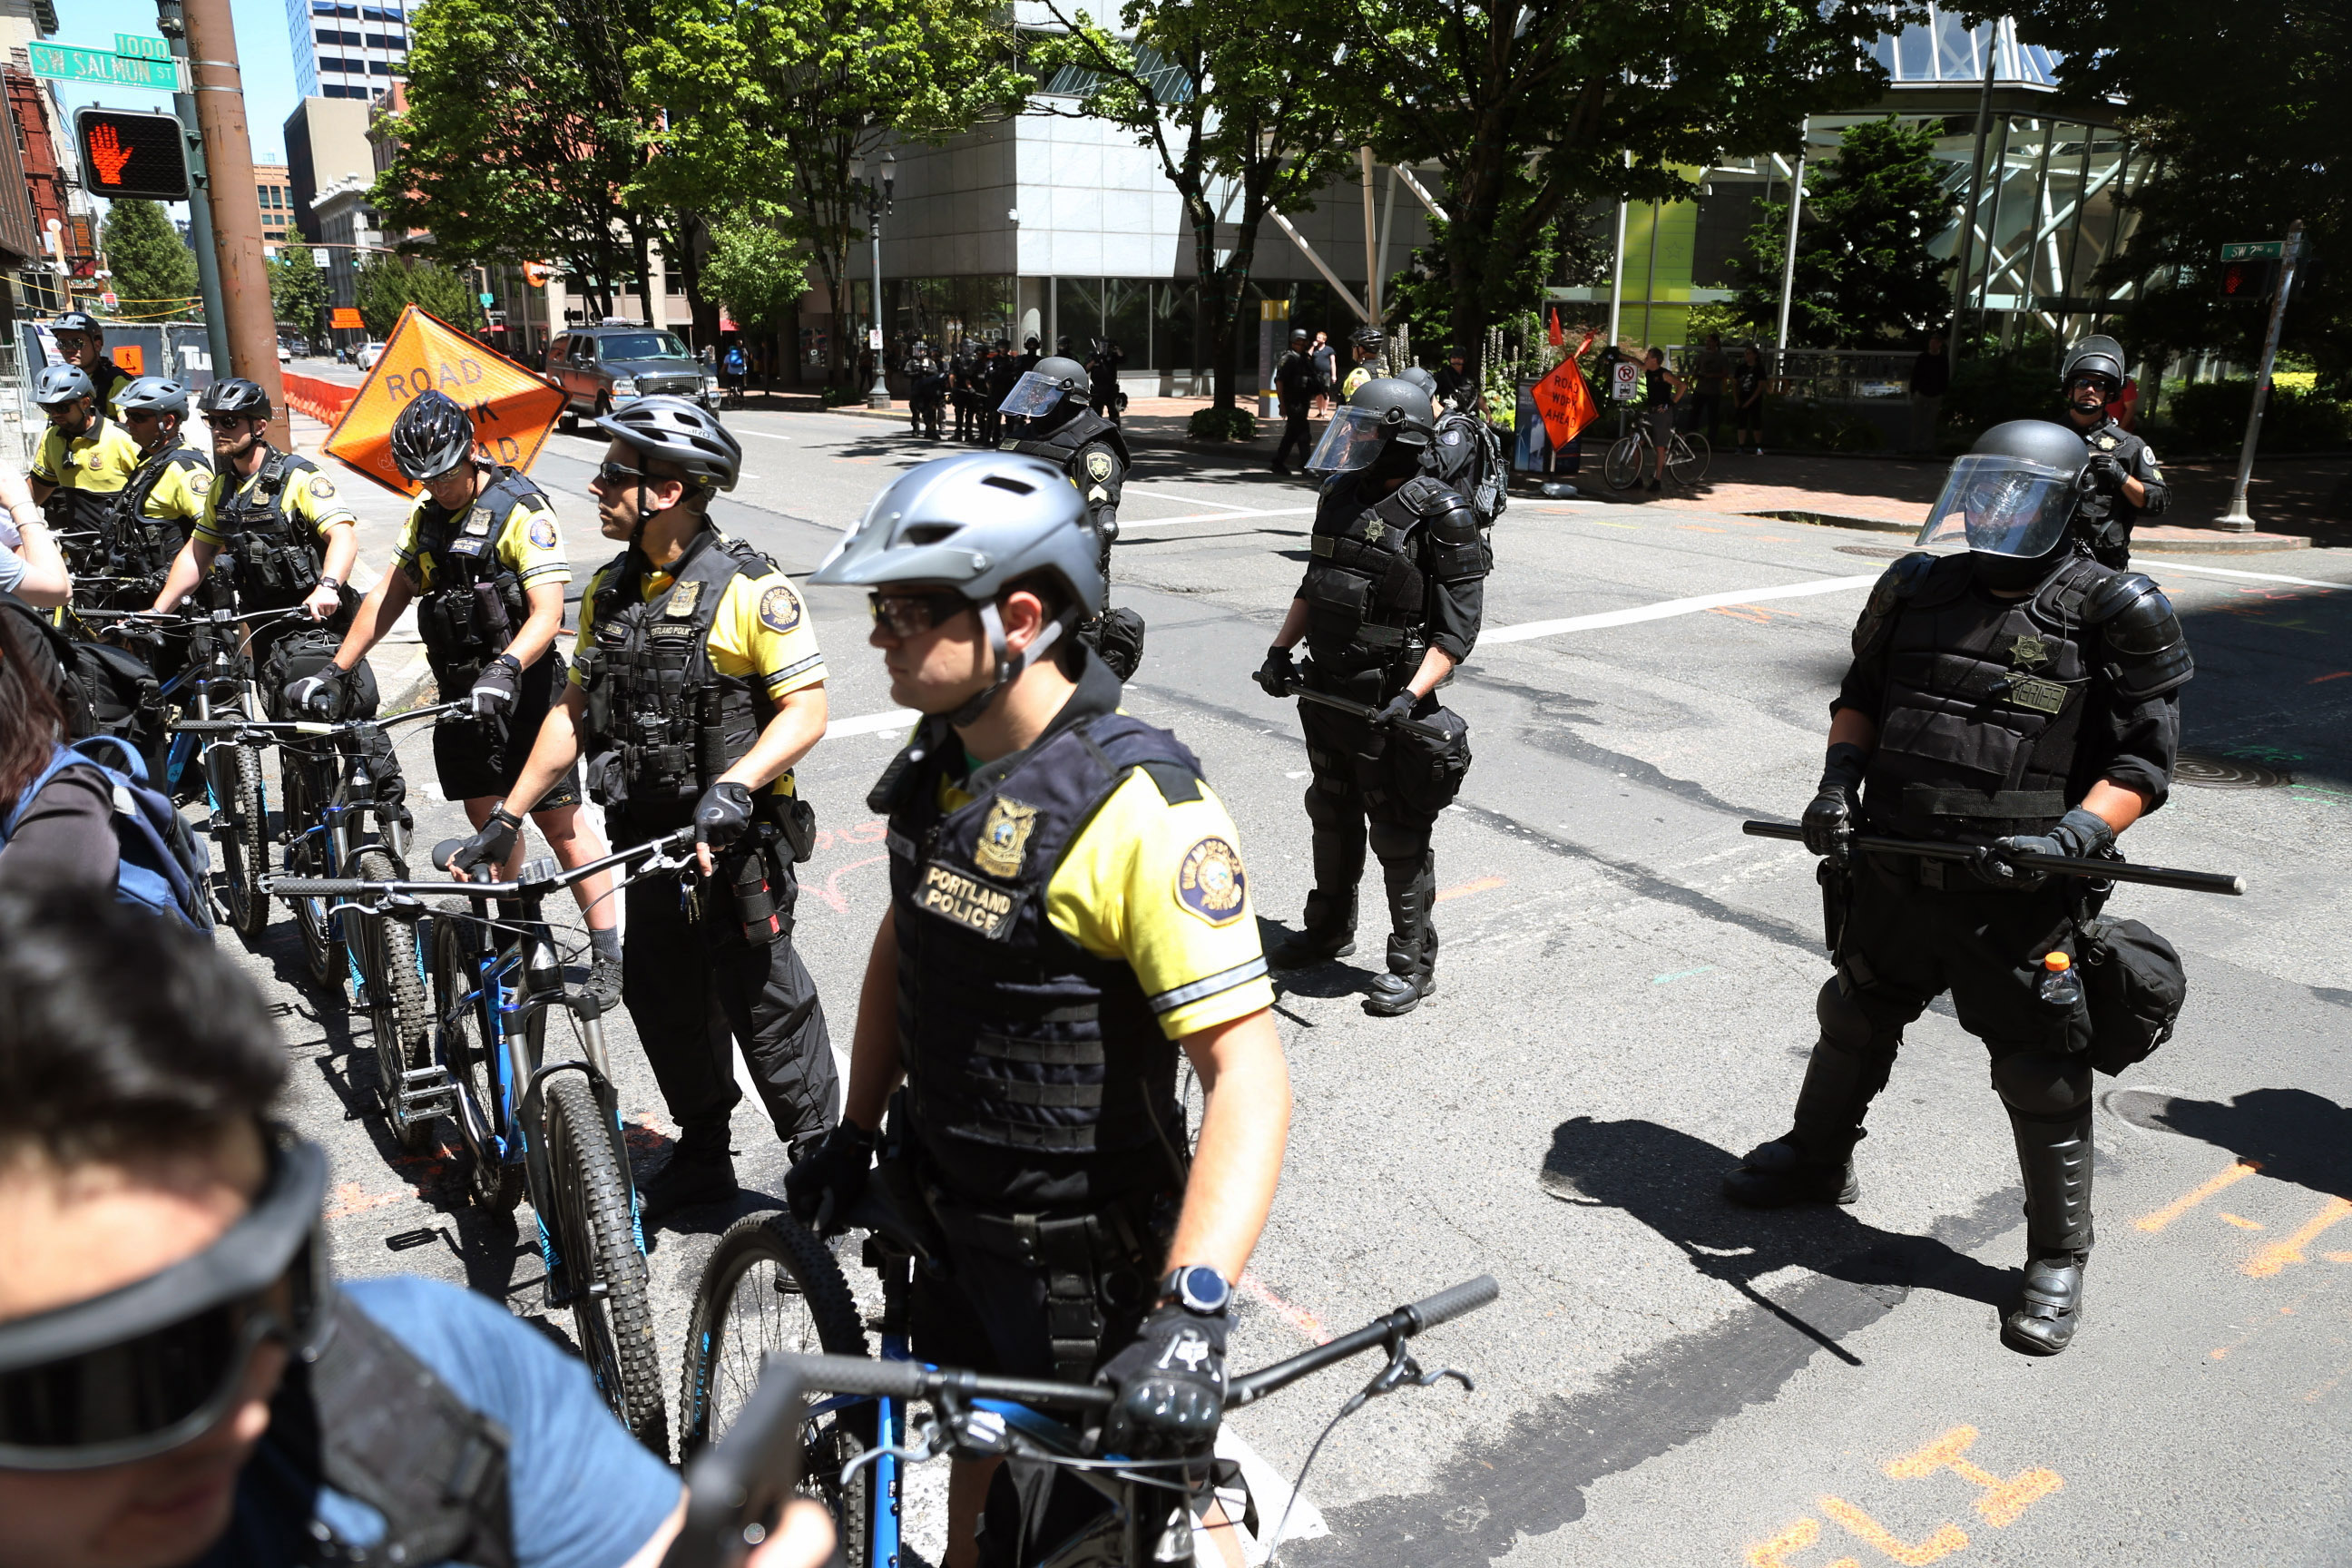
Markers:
point(927, 391)
point(1090, 451)
point(2018, 697)
point(482, 558)
point(1069, 913)
point(695, 684)
point(292, 537)
point(1466, 454)
point(1391, 604)
point(165, 500)
point(963, 371)
point(1295, 389)
point(1001, 378)
point(2123, 479)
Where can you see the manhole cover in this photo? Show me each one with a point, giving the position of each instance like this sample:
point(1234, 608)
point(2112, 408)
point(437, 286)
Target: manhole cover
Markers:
point(2225, 773)
point(1873, 552)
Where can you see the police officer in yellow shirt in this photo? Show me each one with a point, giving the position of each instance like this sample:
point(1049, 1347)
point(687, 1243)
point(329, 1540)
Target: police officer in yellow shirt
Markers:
point(695, 684)
point(483, 561)
point(164, 502)
point(1069, 915)
point(82, 342)
point(83, 462)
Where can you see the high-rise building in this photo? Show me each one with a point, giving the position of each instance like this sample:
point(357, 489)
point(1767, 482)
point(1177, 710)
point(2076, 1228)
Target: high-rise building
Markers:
point(346, 50)
point(272, 183)
point(326, 140)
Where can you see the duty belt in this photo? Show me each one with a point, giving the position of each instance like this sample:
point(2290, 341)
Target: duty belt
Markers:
point(1074, 1251)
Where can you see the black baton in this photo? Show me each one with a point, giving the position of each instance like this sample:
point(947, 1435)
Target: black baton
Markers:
point(2053, 865)
point(1364, 710)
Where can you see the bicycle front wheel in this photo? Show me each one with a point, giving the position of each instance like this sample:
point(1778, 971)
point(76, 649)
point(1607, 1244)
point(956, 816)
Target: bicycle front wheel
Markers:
point(468, 1045)
point(241, 828)
point(398, 1019)
point(1688, 457)
point(611, 1312)
point(1622, 468)
point(771, 1287)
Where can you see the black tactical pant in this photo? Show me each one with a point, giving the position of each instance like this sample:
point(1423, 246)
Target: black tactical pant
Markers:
point(695, 988)
point(1352, 800)
point(1293, 432)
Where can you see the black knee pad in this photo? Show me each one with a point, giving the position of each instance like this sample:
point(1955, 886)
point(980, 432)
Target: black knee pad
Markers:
point(1395, 841)
point(2042, 1084)
point(1847, 1026)
point(1332, 810)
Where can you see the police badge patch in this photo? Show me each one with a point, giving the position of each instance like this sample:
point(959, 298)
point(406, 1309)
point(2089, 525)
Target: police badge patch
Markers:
point(321, 488)
point(1099, 465)
point(543, 532)
point(779, 610)
point(1004, 837)
point(1210, 882)
point(682, 600)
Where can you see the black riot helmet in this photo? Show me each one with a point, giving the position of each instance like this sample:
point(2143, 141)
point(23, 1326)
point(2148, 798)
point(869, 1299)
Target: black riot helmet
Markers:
point(1044, 386)
point(431, 438)
point(1297, 335)
point(237, 397)
point(1419, 378)
point(2010, 500)
point(2098, 355)
point(1386, 412)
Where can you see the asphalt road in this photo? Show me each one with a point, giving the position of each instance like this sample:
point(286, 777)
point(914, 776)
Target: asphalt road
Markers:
point(1626, 1003)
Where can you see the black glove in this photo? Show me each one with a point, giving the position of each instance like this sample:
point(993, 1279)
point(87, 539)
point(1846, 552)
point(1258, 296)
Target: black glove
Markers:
point(1829, 820)
point(490, 846)
point(496, 686)
point(319, 696)
point(1400, 706)
point(2080, 834)
point(1171, 1386)
point(2104, 472)
point(826, 1182)
point(1279, 673)
point(722, 814)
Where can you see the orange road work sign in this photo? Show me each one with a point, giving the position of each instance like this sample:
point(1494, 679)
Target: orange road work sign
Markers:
point(346, 316)
point(512, 409)
point(1565, 403)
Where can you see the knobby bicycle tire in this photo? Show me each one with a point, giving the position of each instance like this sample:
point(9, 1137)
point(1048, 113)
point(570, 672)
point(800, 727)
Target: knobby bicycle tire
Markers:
point(593, 1226)
point(732, 1328)
point(245, 846)
point(1621, 469)
point(463, 1042)
point(398, 1019)
point(1689, 466)
point(306, 856)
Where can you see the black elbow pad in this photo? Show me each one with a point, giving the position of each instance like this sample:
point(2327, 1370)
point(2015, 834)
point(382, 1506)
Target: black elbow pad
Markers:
point(2148, 653)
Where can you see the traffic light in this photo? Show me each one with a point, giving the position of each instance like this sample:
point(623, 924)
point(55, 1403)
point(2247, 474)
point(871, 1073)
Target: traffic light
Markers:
point(126, 154)
point(2253, 278)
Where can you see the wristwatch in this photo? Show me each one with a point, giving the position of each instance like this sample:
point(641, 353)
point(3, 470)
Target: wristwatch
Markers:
point(330, 583)
point(1198, 1288)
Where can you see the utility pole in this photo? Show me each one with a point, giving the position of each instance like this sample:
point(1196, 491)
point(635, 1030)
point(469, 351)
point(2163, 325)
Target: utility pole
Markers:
point(252, 330)
point(170, 20)
point(2237, 515)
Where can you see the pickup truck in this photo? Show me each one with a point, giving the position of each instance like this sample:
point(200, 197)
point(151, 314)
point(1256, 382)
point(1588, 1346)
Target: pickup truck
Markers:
point(597, 368)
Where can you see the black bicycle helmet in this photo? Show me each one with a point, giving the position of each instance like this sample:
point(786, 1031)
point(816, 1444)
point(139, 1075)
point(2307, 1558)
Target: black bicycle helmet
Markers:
point(236, 395)
point(1369, 338)
point(431, 438)
point(78, 321)
point(679, 432)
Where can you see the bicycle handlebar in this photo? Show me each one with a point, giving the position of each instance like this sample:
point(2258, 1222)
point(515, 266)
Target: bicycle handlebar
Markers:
point(355, 888)
point(1426, 1313)
point(309, 726)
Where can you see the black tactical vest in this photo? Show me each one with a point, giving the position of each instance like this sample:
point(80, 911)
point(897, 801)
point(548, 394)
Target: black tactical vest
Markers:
point(663, 723)
point(73, 509)
point(1364, 588)
point(1984, 704)
point(278, 557)
point(464, 629)
point(149, 543)
point(1014, 1036)
point(1060, 446)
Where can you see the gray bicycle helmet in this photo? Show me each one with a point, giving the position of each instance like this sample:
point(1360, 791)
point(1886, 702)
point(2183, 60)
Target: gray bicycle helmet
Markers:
point(237, 397)
point(682, 433)
point(431, 438)
point(977, 523)
point(154, 394)
point(62, 382)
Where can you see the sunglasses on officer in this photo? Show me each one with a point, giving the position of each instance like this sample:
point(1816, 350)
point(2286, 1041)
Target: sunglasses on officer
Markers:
point(142, 1370)
point(912, 614)
point(230, 421)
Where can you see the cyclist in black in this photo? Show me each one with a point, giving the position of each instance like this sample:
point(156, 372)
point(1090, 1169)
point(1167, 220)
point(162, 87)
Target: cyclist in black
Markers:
point(1069, 912)
point(1661, 390)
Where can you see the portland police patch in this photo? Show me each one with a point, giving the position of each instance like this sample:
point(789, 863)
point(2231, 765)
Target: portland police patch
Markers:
point(542, 532)
point(780, 609)
point(322, 488)
point(1210, 882)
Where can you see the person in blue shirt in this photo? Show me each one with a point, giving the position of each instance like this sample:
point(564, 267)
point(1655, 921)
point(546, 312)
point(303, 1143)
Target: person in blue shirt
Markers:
point(181, 1381)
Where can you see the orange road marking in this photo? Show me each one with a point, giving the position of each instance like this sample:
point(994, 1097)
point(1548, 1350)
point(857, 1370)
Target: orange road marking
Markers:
point(2279, 1254)
point(2004, 1500)
point(2236, 1170)
point(2338, 675)
point(1483, 885)
point(1948, 1537)
point(1755, 615)
point(2337, 1256)
point(1774, 1553)
point(1298, 1317)
point(353, 1198)
point(2240, 1221)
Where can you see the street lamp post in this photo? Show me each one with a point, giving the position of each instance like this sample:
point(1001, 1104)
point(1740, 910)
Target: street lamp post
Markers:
point(877, 204)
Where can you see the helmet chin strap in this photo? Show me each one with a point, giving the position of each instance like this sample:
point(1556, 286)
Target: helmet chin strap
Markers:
point(1009, 665)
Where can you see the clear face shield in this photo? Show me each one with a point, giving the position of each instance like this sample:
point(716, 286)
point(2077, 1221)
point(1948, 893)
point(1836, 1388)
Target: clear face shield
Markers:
point(1032, 398)
point(1352, 440)
point(2002, 506)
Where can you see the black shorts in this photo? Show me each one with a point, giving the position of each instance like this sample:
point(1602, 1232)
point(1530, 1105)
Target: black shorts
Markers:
point(477, 757)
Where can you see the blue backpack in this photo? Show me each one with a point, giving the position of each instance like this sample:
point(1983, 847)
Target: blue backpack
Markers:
point(165, 869)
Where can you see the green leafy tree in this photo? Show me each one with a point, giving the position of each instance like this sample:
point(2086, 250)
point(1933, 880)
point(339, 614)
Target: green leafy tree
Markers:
point(1535, 111)
point(1863, 272)
point(298, 291)
point(1233, 97)
point(387, 284)
point(2239, 112)
point(154, 272)
point(773, 107)
point(757, 272)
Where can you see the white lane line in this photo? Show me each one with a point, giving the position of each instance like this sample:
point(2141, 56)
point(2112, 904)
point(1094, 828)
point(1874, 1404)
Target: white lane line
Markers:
point(872, 723)
point(1669, 608)
point(2227, 572)
point(747, 430)
point(1214, 517)
point(1270, 1489)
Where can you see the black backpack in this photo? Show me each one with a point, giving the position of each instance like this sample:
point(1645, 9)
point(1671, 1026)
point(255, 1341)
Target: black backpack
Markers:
point(104, 689)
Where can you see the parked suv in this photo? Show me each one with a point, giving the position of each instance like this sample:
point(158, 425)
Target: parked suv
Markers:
point(598, 367)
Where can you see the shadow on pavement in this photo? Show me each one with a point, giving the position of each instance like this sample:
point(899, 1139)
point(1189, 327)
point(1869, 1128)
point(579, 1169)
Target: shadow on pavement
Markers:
point(2292, 1134)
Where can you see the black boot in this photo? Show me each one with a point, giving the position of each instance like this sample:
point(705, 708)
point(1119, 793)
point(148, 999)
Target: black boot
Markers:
point(1814, 1162)
point(2055, 1158)
point(700, 1170)
point(1413, 939)
point(1330, 921)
